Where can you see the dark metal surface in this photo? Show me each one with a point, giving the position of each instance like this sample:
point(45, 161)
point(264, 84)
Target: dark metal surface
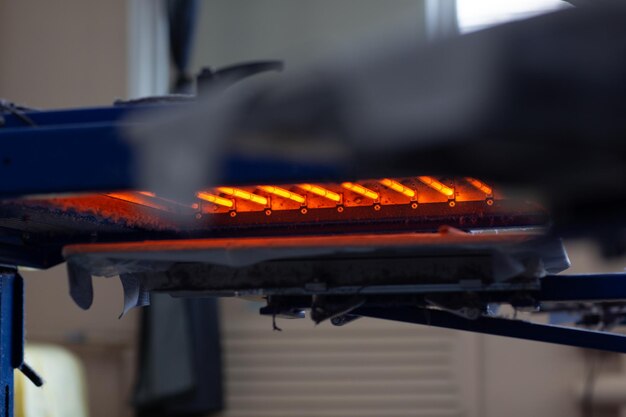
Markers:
point(584, 287)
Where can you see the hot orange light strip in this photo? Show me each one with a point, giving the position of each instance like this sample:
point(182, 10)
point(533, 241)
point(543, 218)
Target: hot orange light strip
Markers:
point(396, 186)
point(479, 185)
point(215, 199)
point(245, 195)
point(359, 189)
point(438, 186)
point(281, 192)
point(322, 192)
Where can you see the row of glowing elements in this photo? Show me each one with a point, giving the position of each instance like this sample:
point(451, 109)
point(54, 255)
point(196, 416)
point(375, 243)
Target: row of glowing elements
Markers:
point(283, 193)
point(320, 191)
point(331, 195)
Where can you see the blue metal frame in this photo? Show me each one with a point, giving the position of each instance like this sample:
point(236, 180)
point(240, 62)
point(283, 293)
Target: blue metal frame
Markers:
point(85, 150)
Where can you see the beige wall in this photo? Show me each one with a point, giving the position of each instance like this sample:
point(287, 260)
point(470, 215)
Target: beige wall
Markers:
point(63, 53)
point(105, 343)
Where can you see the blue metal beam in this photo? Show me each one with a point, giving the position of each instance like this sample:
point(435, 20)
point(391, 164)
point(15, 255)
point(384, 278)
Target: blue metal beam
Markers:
point(64, 159)
point(85, 150)
point(501, 327)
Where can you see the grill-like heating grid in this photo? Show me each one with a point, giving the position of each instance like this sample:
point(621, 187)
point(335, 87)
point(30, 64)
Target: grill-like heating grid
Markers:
point(386, 205)
point(421, 203)
point(374, 194)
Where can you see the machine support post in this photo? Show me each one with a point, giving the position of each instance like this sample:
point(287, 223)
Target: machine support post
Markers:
point(11, 335)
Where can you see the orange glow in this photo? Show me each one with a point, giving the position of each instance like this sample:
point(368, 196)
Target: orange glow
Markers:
point(396, 186)
point(480, 185)
point(359, 189)
point(438, 186)
point(322, 192)
point(245, 195)
point(281, 192)
point(304, 198)
point(215, 199)
point(442, 237)
point(375, 205)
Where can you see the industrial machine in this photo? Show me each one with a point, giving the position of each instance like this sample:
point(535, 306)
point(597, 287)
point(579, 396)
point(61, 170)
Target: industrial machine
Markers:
point(391, 195)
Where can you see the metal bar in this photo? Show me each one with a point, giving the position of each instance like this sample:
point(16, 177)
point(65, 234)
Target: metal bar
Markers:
point(583, 287)
point(501, 327)
point(11, 335)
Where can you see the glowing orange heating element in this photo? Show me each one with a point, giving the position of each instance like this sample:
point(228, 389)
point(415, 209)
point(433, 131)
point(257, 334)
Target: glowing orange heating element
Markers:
point(322, 192)
point(396, 186)
point(359, 189)
point(281, 192)
point(479, 185)
point(215, 199)
point(438, 186)
point(245, 195)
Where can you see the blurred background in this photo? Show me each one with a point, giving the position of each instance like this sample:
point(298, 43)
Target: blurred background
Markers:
point(91, 52)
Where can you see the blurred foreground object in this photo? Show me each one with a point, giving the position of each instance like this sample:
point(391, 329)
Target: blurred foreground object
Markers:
point(536, 105)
